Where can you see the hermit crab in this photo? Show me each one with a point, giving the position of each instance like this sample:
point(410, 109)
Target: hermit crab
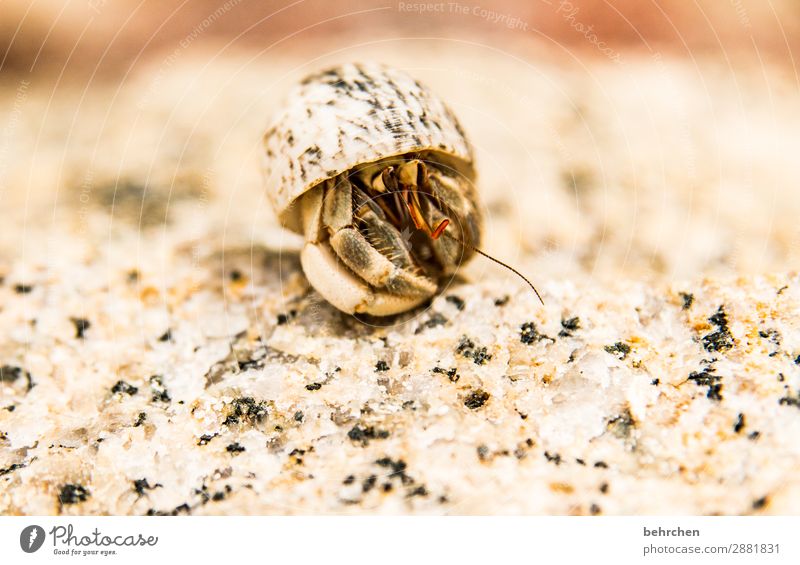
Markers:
point(376, 173)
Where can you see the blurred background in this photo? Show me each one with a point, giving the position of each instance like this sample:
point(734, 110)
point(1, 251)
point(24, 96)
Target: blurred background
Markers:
point(74, 38)
point(652, 139)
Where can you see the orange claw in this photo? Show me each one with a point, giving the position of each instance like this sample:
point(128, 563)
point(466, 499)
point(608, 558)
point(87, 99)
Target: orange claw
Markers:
point(414, 211)
point(440, 229)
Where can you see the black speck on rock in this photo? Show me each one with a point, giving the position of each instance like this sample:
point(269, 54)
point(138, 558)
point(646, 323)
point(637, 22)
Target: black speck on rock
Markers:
point(619, 349)
point(703, 378)
point(465, 345)
point(11, 468)
point(688, 300)
point(502, 301)
point(314, 386)
point(568, 326)
point(476, 399)
point(456, 301)
point(251, 363)
point(285, 318)
point(467, 348)
point(121, 387)
point(529, 334)
point(160, 393)
point(452, 373)
point(789, 400)
point(740, 423)
point(9, 374)
point(363, 435)
point(381, 366)
point(369, 483)
point(298, 416)
point(166, 336)
point(245, 408)
point(81, 325)
point(480, 356)
point(141, 485)
point(621, 426)
point(73, 493)
point(205, 438)
point(182, 509)
point(483, 452)
point(760, 503)
point(436, 319)
point(553, 457)
point(235, 448)
point(712, 381)
point(23, 288)
point(721, 339)
point(772, 335)
point(398, 469)
point(418, 491)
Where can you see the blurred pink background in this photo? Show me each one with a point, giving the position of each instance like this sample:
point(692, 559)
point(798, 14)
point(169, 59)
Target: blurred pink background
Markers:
point(71, 39)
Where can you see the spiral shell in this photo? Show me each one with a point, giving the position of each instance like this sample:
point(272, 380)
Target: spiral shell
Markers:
point(353, 115)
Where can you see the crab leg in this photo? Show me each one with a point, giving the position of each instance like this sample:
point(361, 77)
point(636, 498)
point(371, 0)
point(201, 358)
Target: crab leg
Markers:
point(328, 210)
point(359, 254)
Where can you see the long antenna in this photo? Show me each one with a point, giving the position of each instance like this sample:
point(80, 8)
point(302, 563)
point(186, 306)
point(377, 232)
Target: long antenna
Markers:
point(499, 262)
point(512, 269)
point(414, 210)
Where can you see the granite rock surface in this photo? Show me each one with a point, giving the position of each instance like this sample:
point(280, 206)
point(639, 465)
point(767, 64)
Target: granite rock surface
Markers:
point(162, 352)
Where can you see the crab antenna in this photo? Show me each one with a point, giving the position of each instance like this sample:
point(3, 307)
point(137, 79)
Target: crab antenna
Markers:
point(499, 262)
point(512, 269)
point(412, 203)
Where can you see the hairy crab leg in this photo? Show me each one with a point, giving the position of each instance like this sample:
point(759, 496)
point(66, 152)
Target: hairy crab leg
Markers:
point(359, 254)
point(331, 278)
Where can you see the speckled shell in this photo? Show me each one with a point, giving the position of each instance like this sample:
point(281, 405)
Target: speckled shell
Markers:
point(352, 115)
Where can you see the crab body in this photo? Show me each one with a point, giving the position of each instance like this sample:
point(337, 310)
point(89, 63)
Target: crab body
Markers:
point(376, 173)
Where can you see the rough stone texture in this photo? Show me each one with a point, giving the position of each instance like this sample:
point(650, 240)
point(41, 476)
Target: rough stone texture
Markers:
point(159, 357)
